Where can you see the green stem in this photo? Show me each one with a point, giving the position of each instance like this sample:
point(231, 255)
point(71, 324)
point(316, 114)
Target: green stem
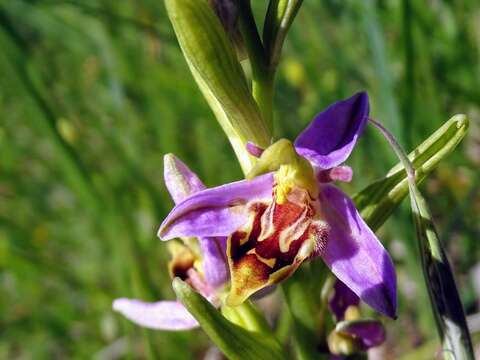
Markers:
point(263, 92)
point(280, 16)
point(247, 316)
point(262, 76)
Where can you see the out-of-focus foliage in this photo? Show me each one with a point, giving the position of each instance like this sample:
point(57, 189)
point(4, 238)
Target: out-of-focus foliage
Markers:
point(92, 93)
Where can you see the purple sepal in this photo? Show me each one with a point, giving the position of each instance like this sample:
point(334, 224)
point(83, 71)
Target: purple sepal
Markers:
point(331, 136)
point(179, 179)
point(161, 315)
point(214, 260)
point(355, 255)
point(217, 211)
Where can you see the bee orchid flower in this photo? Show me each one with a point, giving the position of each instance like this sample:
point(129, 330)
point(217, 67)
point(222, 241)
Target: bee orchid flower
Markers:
point(205, 270)
point(287, 211)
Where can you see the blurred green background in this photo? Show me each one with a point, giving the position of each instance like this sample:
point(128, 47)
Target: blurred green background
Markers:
point(93, 93)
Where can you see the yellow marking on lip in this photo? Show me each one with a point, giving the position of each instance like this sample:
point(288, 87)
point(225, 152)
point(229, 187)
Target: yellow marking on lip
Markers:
point(266, 222)
point(269, 262)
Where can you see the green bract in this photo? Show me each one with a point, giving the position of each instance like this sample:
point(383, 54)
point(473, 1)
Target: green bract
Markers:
point(234, 341)
point(377, 201)
point(446, 303)
point(215, 67)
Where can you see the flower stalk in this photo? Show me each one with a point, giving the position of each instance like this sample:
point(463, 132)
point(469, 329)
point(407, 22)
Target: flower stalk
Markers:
point(247, 316)
point(265, 56)
point(280, 16)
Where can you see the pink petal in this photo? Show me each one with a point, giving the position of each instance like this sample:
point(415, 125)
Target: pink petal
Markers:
point(179, 179)
point(161, 315)
point(338, 173)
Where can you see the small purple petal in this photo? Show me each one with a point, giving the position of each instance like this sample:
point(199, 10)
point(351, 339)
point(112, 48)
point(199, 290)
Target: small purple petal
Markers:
point(254, 150)
point(161, 315)
point(341, 299)
point(331, 136)
point(341, 173)
point(217, 211)
point(179, 179)
point(214, 260)
point(370, 332)
point(338, 173)
point(355, 255)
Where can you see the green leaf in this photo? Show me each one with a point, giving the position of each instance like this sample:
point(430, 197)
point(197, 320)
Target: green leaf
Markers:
point(378, 200)
point(442, 289)
point(234, 341)
point(446, 303)
point(215, 67)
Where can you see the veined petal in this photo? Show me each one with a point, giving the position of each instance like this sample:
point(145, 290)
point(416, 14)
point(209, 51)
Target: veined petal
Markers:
point(331, 136)
point(161, 315)
point(355, 255)
point(274, 242)
point(179, 179)
point(214, 260)
point(217, 211)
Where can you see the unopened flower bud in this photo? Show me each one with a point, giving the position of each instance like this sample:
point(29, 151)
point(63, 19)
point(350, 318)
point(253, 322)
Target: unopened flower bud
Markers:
point(227, 12)
point(343, 344)
point(367, 333)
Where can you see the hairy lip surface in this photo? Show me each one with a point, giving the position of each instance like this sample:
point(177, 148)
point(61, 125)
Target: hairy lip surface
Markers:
point(274, 242)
